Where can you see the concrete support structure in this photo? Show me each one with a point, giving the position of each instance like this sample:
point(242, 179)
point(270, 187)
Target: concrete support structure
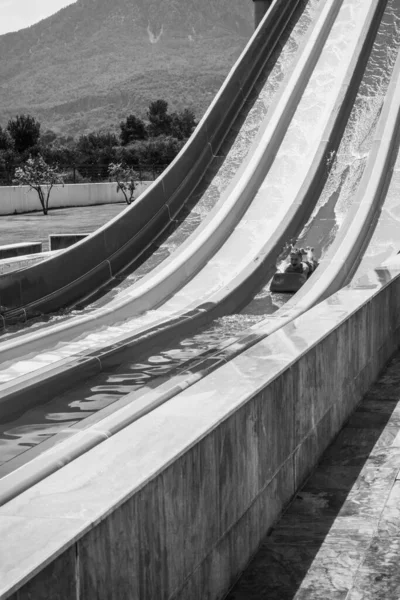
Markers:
point(260, 8)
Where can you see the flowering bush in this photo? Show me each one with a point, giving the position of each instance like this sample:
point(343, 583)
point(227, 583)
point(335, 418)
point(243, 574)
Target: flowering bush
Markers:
point(39, 176)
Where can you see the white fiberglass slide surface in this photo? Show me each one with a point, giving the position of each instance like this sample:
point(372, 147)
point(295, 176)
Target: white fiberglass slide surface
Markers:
point(372, 204)
point(212, 186)
point(385, 240)
point(192, 254)
point(281, 184)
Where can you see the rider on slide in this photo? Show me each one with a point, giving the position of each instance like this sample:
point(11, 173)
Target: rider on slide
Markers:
point(298, 265)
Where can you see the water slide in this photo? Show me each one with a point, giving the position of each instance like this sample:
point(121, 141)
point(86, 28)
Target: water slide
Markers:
point(76, 272)
point(244, 193)
point(363, 16)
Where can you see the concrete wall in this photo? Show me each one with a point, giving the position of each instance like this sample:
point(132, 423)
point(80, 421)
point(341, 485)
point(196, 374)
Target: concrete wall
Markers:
point(21, 262)
point(21, 200)
point(174, 505)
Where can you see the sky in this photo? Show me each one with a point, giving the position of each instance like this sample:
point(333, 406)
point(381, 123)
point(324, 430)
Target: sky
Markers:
point(17, 14)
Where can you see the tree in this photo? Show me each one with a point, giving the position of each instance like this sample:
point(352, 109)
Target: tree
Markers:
point(159, 119)
point(132, 129)
point(6, 142)
point(95, 152)
point(25, 132)
point(159, 151)
point(125, 178)
point(8, 161)
point(183, 124)
point(37, 174)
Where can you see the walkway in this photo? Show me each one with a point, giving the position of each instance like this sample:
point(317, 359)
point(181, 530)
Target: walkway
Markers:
point(340, 538)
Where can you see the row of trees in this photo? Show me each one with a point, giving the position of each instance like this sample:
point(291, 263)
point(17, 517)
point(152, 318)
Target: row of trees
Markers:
point(151, 143)
point(41, 177)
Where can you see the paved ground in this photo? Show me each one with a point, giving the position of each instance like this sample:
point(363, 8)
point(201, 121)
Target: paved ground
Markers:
point(340, 538)
point(32, 227)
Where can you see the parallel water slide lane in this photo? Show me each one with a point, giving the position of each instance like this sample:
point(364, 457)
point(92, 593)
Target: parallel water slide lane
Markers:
point(201, 247)
point(87, 365)
point(211, 189)
point(20, 392)
point(74, 273)
point(98, 433)
point(288, 210)
point(74, 327)
point(194, 253)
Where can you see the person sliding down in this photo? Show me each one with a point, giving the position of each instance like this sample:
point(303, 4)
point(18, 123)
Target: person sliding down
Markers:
point(311, 261)
point(296, 263)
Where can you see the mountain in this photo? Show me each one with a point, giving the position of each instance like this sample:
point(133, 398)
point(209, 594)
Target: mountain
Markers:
point(96, 61)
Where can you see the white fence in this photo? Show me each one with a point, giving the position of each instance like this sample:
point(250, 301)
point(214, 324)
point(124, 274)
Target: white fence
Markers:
point(22, 200)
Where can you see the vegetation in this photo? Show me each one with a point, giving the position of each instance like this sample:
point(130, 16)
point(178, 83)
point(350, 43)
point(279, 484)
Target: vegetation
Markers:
point(28, 155)
point(93, 63)
point(126, 180)
point(132, 129)
point(24, 131)
point(39, 176)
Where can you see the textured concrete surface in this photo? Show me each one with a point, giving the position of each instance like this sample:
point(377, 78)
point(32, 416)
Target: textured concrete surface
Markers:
point(340, 538)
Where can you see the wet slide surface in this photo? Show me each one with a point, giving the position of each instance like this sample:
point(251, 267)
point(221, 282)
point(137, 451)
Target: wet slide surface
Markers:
point(42, 422)
point(275, 196)
point(219, 174)
point(152, 370)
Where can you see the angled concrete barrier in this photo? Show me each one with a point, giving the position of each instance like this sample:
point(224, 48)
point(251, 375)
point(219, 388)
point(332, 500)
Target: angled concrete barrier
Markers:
point(20, 249)
point(94, 261)
point(174, 505)
point(59, 241)
point(20, 262)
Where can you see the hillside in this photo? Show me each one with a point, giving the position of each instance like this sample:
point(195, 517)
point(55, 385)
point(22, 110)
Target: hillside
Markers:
point(96, 61)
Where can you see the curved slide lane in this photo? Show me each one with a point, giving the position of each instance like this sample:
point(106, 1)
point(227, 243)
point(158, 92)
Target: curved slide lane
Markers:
point(287, 210)
point(199, 249)
point(76, 272)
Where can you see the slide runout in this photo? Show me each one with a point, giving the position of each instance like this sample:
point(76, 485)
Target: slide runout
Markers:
point(61, 280)
point(173, 326)
point(199, 248)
